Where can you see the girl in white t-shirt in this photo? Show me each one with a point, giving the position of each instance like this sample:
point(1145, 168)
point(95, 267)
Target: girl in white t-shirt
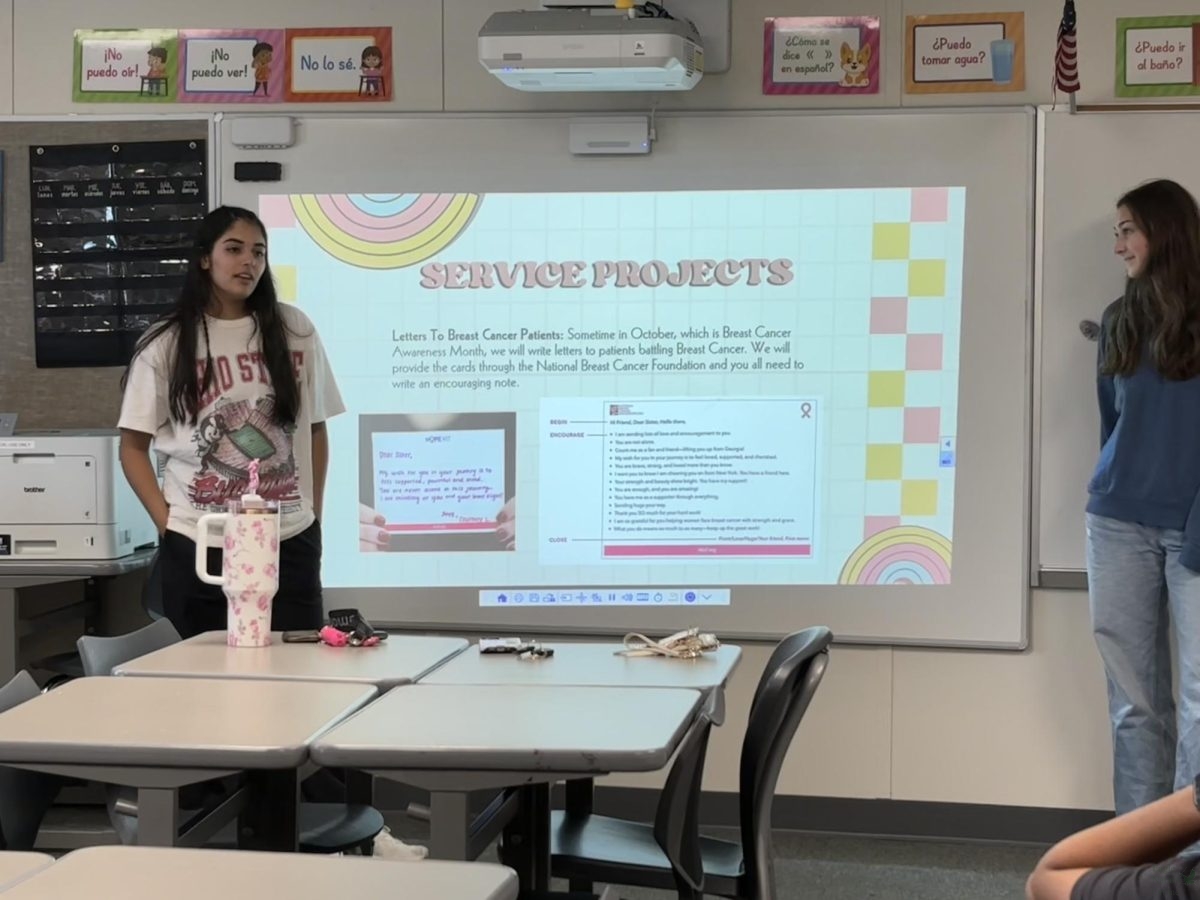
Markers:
point(231, 376)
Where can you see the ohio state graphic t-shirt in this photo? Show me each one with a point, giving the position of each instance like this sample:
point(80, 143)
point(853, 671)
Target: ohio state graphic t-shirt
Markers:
point(209, 463)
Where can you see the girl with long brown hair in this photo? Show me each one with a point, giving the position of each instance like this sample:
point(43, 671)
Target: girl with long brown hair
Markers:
point(1143, 512)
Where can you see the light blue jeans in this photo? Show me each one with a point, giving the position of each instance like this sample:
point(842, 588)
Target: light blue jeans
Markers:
point(1138, 590)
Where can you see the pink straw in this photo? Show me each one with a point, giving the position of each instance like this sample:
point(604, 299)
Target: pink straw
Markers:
point(253, 487)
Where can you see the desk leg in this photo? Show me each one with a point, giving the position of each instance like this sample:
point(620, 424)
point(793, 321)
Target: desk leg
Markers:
point(269, 819)
point(527, 839)
point(360, 787)
point(579, 804)
point(449, 825)
point(157, 817)
point(10, 643)
point(579, 797)
point(539, 828)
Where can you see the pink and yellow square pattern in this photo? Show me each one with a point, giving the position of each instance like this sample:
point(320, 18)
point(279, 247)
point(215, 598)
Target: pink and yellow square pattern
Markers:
point(906, 403)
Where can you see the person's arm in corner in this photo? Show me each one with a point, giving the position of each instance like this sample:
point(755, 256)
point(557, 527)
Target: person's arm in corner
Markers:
point(139, 472)
point(1151, 834)
point(320, 465)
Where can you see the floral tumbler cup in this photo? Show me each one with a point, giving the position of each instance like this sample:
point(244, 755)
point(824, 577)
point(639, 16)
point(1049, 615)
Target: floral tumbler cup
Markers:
point(249, 566)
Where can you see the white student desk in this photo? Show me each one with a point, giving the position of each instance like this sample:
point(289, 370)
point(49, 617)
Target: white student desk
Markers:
point(401, 659)
point(16, 866)
point(596, 665)
point(151, 873)
point(455, 739)
point(16, 574)
point(159, 734)
point(590, 665)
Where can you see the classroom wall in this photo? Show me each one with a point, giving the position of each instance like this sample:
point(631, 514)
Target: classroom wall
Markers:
point(436, 65)
point(1024, 729)
point(61, 397)
point(6, 72)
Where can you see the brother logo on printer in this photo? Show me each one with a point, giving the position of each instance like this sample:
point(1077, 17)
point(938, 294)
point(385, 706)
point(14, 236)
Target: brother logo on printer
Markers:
point(35, 490)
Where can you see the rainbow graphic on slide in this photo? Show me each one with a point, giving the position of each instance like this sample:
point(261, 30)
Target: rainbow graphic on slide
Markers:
point(905, 554)
point(384, 231)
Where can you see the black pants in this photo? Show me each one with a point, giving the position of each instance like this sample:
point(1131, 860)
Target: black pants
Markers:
point(194, 607)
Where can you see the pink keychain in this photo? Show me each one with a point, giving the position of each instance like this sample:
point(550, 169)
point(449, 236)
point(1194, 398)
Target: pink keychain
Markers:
point(336, 638)
point(333, 637)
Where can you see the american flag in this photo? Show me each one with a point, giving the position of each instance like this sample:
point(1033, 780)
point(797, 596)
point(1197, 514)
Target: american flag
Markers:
point(1066, 56)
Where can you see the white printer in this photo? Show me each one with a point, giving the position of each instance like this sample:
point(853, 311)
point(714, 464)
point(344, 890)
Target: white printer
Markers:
point(63, 496)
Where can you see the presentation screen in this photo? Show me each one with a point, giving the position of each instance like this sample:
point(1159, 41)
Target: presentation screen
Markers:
point(634, 398)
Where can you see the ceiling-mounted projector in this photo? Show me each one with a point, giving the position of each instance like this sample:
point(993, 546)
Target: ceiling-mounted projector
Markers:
point(577, 50)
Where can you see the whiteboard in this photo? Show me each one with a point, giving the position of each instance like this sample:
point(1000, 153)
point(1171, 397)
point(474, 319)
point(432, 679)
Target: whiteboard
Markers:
point(989, 153)
point(1087, 162)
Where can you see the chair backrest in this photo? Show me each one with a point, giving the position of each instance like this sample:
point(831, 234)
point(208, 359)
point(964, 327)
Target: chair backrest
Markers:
point(784, 650)
point(100, 655)
point(787, 686)
point(677, 819)
point(24, 796)
point(22, 687)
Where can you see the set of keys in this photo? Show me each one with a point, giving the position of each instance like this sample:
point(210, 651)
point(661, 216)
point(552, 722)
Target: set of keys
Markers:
point(521, 648)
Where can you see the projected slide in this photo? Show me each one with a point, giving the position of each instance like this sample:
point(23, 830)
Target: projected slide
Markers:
point(712, 388)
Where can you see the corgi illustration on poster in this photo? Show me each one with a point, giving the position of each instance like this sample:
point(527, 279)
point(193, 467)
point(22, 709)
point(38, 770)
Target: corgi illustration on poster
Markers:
point(854, 65)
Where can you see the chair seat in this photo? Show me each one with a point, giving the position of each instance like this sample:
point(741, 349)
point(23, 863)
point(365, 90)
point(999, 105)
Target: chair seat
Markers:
point(324, 828)
point(67, 665)
point(588, 846)
point(336, 827)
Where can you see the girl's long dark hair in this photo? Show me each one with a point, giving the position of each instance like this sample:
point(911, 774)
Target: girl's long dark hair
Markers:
point(1159, 313)
point(187, 385)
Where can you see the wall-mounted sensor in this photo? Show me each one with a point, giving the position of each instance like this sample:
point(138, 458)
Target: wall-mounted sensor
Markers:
point(262, 132)
point(620, 135)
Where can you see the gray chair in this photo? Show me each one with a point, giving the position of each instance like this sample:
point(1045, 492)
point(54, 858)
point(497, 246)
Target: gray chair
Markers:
point(24, 796)
point(670, 854)
point(99, 656)
point(323, 827)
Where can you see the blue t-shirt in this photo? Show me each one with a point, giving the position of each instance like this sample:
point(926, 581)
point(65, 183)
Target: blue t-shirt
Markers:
point(1149, 467)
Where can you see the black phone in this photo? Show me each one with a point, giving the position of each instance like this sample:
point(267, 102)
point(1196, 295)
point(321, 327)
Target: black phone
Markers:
point(301, 637)
point(501, 645)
